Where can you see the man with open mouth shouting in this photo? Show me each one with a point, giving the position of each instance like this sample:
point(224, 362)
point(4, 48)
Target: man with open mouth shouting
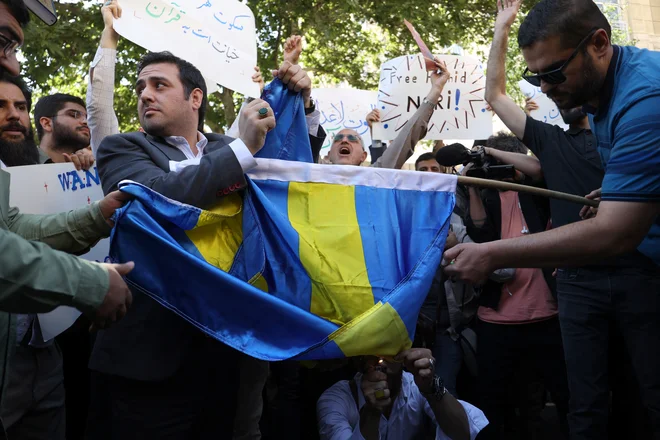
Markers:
point(348, 146)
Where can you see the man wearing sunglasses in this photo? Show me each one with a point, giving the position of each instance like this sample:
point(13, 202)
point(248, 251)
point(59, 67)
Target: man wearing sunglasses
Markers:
point(569, 162)
point(566, 44)
point(348, 146)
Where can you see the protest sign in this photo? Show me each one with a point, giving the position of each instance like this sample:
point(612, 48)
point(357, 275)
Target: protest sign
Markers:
point(547, 111)
point(49, 189)
point(219, 37)
point(461, 111)
point(344, 108)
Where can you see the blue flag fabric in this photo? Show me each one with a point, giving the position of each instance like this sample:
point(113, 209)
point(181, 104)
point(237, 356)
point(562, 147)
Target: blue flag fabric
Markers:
point(289, 140)
point(313, 262)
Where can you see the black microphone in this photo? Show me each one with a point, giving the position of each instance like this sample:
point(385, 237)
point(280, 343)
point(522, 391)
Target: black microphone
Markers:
point(452, 155)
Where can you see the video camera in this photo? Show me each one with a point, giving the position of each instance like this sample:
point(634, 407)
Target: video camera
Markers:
point(484, 165)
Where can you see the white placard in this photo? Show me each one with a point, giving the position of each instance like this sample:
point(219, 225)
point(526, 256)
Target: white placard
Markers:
point(49, 189)
point(219, 37)
point(344, 108)
point(460, 113)
point(548, 111)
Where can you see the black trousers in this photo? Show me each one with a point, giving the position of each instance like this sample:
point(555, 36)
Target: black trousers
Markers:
point(590, 302)
point(197, 403)
point(503, 350)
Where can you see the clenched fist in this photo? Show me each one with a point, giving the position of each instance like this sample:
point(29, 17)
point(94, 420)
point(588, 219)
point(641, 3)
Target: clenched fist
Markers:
point(255, 122)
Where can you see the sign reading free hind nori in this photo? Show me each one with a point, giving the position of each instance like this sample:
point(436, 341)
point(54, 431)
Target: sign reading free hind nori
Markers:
point(460, 112)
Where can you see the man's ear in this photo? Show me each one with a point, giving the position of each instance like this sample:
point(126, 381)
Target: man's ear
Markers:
point(600, 44)
point(196, 98)
point(364, 156)
point(46, 124)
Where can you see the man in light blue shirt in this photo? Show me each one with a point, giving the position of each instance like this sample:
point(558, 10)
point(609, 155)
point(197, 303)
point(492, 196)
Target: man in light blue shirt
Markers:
point(385, 402)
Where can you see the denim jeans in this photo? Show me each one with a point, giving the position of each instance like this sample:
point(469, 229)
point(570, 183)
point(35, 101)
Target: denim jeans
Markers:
point(590, 301)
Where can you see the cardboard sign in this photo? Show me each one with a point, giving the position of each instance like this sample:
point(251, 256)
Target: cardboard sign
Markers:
point(344, 108)
point(219, 37)
point(548, 111)
point(49, 189)
point(461, 111)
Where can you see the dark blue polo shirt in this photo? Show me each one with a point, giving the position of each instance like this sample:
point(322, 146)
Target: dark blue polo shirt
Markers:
point(627, 126)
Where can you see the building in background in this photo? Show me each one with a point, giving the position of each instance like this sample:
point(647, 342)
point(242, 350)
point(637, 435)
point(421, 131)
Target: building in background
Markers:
point(639, 19)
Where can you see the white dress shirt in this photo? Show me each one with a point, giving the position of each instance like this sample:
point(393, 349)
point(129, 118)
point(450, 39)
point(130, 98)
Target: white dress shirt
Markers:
point(339, 417)
point(245, 158)
point(101, 117)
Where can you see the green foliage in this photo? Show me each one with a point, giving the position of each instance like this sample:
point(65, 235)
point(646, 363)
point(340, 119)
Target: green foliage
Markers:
point(346, 42)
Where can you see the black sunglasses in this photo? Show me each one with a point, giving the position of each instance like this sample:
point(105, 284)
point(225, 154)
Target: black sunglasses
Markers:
point(556, 76)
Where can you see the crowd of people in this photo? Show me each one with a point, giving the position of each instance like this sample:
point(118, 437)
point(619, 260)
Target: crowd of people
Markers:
point(539, 304)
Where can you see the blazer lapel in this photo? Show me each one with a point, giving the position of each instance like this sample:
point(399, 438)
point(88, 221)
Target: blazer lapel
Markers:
point(172, 153)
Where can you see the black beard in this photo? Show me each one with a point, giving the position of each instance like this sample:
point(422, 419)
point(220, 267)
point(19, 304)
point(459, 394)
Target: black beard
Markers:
point(19, 153)
point(590, 87)
point(66, 140)
point(573, 115)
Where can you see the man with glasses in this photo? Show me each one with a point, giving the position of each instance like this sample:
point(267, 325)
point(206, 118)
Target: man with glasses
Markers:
point(34, 277)
point(13, 18)
point(61, 122)
point(568, 50)
point(348, 146)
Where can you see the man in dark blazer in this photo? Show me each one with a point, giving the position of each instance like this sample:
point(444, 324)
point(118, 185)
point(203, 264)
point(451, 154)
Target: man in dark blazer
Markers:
point(156, 376)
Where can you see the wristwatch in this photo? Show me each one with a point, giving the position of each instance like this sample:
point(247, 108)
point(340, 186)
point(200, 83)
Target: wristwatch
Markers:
point(311, 108)
point(438, 390)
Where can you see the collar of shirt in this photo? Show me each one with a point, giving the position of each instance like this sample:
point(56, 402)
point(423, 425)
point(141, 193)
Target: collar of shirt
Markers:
point(608, 86)
point(2, 165)
point(574, 131)
point(182, 144)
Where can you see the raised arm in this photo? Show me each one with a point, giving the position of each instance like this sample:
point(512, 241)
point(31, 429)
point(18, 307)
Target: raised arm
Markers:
point(403, 146)
point(101, 115)
point(507, 110)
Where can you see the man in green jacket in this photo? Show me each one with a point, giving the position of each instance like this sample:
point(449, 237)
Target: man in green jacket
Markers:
point(34, 276)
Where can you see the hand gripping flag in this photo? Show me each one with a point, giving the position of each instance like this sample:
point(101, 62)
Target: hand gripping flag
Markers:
point(311, 262)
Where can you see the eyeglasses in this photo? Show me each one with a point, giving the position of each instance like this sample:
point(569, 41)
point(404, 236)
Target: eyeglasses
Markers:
point(9, 46)
point(350, 137)
point(556, 76)
point(75, 114)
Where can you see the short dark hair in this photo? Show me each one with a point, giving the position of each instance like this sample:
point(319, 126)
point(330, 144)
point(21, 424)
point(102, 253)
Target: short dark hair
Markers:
point(18, 82)
point(190, 77)
point(506, 142)
point(18, 10)
point(48, 106)
point(423, 157)
point(571, 20)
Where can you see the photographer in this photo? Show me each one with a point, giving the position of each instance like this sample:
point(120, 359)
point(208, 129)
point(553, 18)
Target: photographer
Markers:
point(517, 319)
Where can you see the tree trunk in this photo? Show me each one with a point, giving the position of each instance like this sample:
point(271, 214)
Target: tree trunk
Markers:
point(227, 96)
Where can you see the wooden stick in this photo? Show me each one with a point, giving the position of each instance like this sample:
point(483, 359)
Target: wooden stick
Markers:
point(508, 186)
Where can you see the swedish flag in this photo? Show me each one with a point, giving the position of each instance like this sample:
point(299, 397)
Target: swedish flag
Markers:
point(311, 262)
